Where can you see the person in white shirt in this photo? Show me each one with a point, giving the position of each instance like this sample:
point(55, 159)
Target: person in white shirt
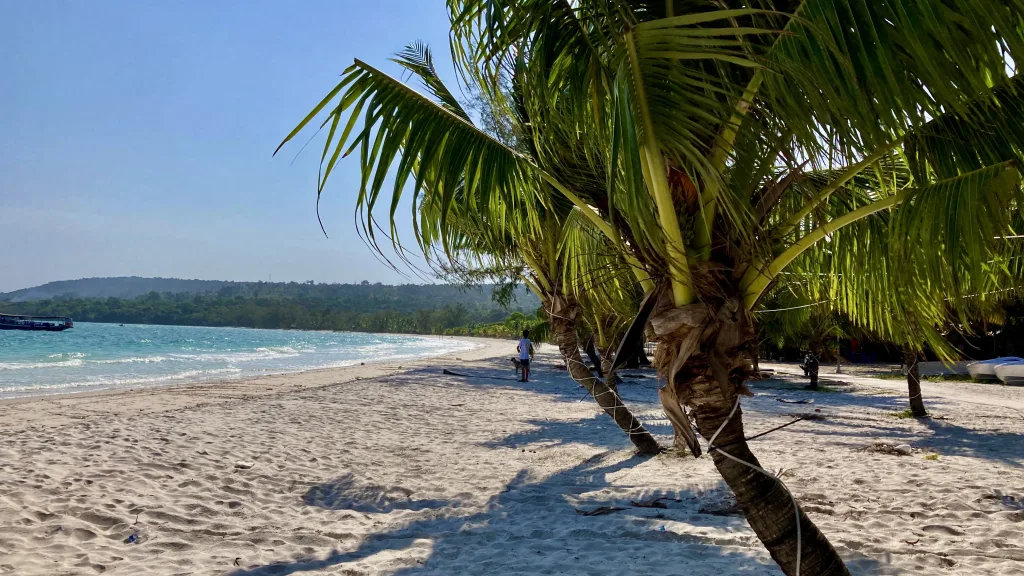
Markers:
point(525, 355)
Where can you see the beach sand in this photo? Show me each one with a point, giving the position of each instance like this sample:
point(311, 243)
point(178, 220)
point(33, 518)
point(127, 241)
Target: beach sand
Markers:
point(381, 470)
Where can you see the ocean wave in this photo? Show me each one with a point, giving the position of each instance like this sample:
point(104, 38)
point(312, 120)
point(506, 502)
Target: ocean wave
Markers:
point(132, 360)
point(68, 355)
point(29, 365)
point(230, 357)
point(102, 383)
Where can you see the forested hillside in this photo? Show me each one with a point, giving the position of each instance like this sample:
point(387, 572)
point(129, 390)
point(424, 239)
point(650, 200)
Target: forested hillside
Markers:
point(363, 297)
point(120, 287)
point(425, 309)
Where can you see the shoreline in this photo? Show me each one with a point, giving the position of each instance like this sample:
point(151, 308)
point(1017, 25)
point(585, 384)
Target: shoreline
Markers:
point(477, 342)
point(272, 382)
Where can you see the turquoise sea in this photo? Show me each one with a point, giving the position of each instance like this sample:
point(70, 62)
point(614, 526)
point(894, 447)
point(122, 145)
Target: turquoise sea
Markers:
point(103, 356)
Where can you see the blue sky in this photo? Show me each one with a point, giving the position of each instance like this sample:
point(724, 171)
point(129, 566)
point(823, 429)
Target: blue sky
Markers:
point(136, 136)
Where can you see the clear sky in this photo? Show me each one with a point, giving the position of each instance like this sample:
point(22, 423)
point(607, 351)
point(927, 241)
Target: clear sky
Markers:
point(136, 136)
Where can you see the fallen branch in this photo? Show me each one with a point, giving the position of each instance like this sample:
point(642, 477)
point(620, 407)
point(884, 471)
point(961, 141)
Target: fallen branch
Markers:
point(600, 511)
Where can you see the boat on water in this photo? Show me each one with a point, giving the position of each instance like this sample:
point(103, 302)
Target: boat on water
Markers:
point(986, 369)
point(1011, 373)
point(42, 323)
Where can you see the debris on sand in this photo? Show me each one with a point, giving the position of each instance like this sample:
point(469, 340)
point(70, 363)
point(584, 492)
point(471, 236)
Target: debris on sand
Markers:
point(893, 450)
point(724, 509)
point(655, 503)
point(599, 511)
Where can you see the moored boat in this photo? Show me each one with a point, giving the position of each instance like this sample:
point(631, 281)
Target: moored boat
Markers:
point(986, 369)
point(1011, 373)
point(39, 323)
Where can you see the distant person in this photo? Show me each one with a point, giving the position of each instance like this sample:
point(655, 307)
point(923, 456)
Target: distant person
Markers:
point(525, 349)
point(811, 369)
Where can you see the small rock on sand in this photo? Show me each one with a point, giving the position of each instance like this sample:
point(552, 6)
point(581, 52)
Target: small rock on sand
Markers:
point(244, 465)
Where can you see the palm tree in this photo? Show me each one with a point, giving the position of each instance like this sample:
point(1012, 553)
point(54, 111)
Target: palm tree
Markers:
point(688, 128)
point(472, 213)
point(709, 115)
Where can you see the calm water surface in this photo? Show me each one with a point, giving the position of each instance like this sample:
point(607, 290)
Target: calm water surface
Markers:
point(102, 356)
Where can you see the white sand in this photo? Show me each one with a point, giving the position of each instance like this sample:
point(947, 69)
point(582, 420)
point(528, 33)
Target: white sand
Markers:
point(372, 470)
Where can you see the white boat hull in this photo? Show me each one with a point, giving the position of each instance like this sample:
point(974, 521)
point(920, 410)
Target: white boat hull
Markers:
point(986, 369)
point(1011, 373)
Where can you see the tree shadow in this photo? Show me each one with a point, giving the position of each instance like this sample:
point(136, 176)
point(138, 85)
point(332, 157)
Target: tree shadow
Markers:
point(598, 430)
point(951, 439)
point(550, 526)
point(347, 493)
point(944, 437)
point(535, 526)
point(545, 378)
point(545, 526)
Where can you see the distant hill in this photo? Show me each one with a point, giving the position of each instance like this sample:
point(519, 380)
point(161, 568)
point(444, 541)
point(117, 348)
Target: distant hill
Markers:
point(121, 287)
point(422, 308)
point(354, 296)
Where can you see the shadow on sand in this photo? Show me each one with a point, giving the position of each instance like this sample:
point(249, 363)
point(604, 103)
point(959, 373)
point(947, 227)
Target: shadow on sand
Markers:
point(537, 527)
point(941, 436)
point(346, 493)
point(536, 523)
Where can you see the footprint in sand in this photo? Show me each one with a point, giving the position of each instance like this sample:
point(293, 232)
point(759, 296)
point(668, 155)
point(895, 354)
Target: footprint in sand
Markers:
point(82, 535)
point(942, 529)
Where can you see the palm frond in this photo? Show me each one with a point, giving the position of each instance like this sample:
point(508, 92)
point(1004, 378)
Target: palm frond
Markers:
point(415, 140)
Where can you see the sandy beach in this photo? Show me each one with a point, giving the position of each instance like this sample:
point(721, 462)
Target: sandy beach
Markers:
point(382, 469)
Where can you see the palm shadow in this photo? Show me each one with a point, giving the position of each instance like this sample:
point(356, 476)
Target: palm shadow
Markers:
point(546, 378)
point(347, 493)
point(545, 523)
point(598, 430)
point(542, 526)
point(556, 525)
point(951, 439)
point(944, 438)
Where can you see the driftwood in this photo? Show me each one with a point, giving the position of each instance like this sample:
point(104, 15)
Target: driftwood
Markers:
point(600, 511)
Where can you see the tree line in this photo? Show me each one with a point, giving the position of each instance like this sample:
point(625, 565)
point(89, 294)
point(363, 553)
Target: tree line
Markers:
point(369, 309)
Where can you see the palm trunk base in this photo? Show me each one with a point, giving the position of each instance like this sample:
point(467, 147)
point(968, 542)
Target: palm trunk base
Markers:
point(917, 409)
point(766, 504)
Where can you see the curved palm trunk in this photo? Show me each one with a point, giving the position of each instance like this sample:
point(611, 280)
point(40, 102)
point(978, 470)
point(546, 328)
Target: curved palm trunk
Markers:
point(764, 501)
point(562, 317)
point(610, 376)
point(910, 358)
point(705, 354)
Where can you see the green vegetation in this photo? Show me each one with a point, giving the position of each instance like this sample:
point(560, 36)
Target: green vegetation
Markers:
point(364, 308)
point(707, 158)
point(930, 378)
point(908, 413)
point(932, 457)
point(949, 378)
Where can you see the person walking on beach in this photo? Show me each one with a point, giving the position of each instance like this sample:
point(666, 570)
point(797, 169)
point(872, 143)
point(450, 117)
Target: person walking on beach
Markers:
point(525, 355)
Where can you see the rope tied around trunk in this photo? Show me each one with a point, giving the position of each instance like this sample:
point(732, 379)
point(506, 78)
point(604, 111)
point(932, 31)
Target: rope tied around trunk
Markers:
point(796, 508)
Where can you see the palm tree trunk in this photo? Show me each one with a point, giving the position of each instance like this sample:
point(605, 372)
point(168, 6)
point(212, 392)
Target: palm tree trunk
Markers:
point(610, 376)
point(562, 317)
point(765, 503)
point(910, 358)
point(704, 353)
